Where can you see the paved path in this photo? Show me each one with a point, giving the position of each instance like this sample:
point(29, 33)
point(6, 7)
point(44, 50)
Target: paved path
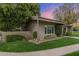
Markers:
point(50, 52)
point(75, 37)
point(72, 37)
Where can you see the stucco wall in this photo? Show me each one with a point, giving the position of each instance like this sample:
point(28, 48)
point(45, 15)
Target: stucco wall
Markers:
point(42, 30)
point(26, 34)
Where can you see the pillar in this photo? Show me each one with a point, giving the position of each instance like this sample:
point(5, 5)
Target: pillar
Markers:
point(3, 38)
point(62, 30)
point(38, 32)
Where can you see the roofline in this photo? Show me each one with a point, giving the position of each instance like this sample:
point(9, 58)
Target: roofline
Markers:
point(47, 20)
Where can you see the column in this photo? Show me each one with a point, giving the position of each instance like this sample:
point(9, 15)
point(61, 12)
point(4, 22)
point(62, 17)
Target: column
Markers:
point(62, 30)
point(54, 29)
point(38, 38)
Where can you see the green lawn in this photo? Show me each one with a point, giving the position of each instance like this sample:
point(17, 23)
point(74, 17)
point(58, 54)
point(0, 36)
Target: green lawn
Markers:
point(73, 54)
point(25, 46)
point(75, 34)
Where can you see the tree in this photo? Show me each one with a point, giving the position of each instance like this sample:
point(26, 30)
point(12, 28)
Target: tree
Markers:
point(5, 17)
point(66, 14)
point(24, 13)
point(13, 16)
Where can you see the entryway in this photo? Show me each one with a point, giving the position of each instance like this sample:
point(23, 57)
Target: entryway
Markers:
point(58, 29)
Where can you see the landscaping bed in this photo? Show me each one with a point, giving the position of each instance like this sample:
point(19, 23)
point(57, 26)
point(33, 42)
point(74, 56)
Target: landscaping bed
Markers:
point(25, 46)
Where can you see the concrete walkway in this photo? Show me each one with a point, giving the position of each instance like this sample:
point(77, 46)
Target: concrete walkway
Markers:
point(75, 37)
point(72, 37)
point(49, 52)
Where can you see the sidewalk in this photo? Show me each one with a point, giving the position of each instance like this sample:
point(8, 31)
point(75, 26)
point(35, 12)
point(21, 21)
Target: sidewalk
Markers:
point(49, 52)
point(72, 37)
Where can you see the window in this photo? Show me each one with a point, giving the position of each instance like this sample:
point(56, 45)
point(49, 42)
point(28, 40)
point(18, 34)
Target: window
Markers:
point(49, 29)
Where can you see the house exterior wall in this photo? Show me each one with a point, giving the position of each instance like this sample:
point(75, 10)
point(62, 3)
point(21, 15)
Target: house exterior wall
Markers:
point(41, 29)
point(33, 27)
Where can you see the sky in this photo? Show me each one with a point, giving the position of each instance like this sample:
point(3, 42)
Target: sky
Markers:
point(47, 9)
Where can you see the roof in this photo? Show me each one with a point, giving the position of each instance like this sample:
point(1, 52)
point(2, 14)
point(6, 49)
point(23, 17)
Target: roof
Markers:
point(68, 25)
point(47, 20)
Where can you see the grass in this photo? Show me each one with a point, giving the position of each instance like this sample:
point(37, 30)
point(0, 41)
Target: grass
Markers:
point(25, 46)
point(75, 34)
point(73, 54)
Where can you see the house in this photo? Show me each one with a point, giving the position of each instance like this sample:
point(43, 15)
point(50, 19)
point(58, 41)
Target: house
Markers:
point(48, 28)
point(45, 28)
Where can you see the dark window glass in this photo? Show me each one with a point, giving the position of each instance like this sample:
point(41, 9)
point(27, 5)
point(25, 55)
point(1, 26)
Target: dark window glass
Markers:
point(49, 29)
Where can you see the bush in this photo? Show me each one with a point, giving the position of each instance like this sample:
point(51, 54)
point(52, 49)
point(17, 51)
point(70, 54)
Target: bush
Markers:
point(34, 34)
point(68, 33)
point(11, 38)
point(6, 27)
point(58, 30)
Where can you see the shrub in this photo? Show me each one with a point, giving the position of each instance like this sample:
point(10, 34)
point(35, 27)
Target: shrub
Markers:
point(68, 33)
point(35, 34)
point(11, 38)
point(58, 30)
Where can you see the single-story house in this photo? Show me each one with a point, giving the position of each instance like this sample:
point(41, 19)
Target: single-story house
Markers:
point(47, 28)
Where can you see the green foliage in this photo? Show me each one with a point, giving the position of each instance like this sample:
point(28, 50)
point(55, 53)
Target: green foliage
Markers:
point(11, 38)
point(35, 34)
point(16, 15)
point(58, 30)
point(66, 13)
point(68, 33)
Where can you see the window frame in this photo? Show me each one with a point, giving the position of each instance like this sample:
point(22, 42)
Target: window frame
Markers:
point(49, 29)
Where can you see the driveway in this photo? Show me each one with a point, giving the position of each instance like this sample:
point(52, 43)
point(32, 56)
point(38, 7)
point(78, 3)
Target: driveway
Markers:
point(50, 52)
